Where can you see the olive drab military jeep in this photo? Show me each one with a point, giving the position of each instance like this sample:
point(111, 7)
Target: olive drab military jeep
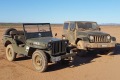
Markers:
point(36, 40)
point(85, 36)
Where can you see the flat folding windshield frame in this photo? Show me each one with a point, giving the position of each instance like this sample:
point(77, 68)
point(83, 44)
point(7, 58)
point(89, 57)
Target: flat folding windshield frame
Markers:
point(25, 24)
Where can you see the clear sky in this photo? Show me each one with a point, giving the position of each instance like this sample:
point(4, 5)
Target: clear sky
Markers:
point(58, 11)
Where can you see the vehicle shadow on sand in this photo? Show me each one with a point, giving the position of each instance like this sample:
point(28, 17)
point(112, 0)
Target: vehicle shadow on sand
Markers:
point(117, 49)
point(78, 61)
point(22, 58)
point(86, 59)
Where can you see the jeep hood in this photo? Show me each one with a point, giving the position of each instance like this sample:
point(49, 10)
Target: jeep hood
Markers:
point(43, 40)
point(91, 33)
point(40, 43)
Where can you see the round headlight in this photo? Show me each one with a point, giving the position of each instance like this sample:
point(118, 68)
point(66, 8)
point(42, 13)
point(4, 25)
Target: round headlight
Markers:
point(108, 37)
point(91, 37)
point(49, 45)
point(66, 42)
point(63, 38)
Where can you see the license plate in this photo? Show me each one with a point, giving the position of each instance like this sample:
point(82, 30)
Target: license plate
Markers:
point(104, 45)
point(57, 58)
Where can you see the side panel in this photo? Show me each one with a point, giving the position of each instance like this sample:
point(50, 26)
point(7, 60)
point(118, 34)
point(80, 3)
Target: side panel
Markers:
point(17, 49)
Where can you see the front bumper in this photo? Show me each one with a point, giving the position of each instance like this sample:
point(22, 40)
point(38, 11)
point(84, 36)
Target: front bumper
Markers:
point(99, 45)
point(67, 55)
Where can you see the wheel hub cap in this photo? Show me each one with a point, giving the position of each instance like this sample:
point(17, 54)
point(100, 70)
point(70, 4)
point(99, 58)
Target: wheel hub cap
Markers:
point(38, 61)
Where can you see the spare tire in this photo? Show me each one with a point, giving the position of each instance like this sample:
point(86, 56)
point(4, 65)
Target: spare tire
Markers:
point(7, 32)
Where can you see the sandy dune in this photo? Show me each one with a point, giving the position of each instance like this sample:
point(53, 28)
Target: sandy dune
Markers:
point(91, 67)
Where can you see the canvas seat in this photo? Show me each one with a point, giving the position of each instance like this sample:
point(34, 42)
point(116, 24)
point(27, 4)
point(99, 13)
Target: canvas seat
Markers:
point(18, 36)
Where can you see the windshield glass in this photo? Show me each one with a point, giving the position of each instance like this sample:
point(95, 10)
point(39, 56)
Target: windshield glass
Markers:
point(37, 30)
point(87, 25)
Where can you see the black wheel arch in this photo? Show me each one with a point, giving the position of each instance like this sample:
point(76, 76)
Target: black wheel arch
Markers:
point(78, 39)
point(7, 43)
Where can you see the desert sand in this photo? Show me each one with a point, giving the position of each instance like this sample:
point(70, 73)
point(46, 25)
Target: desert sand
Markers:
point(90, 67)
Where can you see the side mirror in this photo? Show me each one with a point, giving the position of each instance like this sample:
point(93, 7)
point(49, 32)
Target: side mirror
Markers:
point(99, 29)
point(55, 34)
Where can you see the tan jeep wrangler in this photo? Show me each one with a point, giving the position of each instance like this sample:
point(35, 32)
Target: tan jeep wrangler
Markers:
point(85, 36)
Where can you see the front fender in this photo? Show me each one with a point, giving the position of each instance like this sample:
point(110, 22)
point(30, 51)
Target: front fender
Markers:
point(81, 39)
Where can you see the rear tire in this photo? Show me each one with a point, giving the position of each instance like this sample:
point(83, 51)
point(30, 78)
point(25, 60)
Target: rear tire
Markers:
point(10, 54)
point(40, 61)
point(105, 51)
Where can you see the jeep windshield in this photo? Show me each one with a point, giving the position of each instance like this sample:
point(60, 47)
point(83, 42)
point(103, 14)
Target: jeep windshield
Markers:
point(37, 30)
point(87, 25)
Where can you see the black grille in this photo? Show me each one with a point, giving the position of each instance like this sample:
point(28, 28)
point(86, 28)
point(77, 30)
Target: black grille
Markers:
point(59, 47)
point(100, 39)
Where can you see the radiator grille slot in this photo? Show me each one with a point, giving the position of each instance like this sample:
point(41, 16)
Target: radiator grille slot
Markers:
point(59, 47)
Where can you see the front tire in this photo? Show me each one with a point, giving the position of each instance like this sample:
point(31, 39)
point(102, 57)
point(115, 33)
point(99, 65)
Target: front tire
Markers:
point(81, 53)
point(40, 61)
point(109, 51)
point(10, 54)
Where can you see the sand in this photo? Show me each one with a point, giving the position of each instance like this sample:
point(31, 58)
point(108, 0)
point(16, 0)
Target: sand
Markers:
point(90, 67)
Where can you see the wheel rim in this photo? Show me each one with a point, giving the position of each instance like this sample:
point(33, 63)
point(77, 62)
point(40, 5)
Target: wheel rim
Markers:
point(9, 52)
point(38, 62)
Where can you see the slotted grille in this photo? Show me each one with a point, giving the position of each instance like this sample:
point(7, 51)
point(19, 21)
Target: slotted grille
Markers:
point(100, 39)
point(58, 47)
